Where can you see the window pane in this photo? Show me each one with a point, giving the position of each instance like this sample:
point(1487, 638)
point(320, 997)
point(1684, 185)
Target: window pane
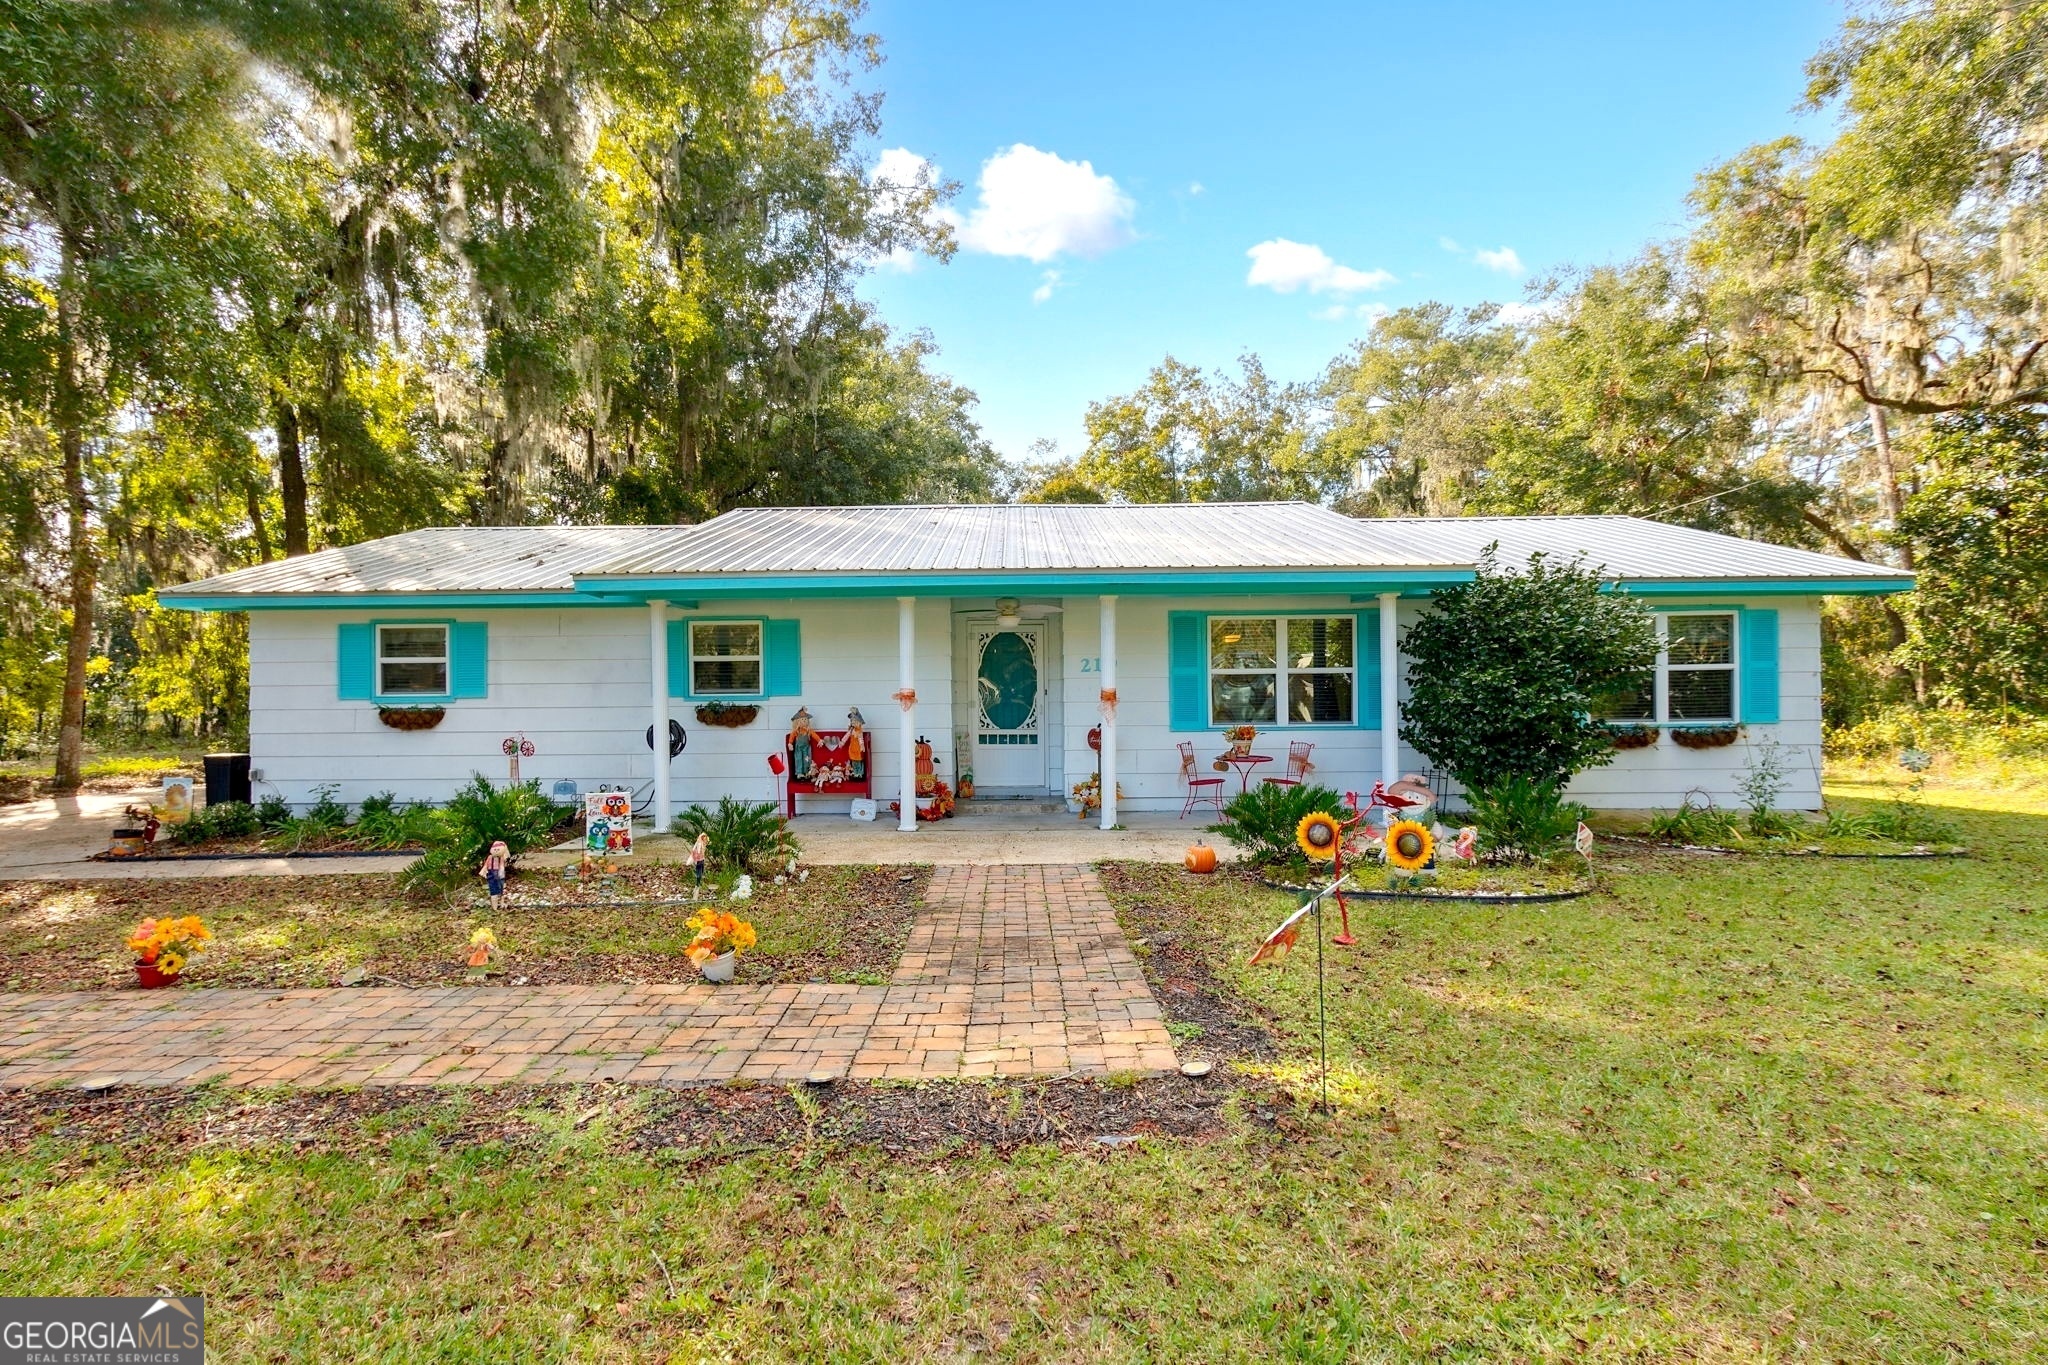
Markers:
point(1244, 643)
point(1702, 693)
point(1319, 698)
point(1701, 639)
point(720, 639)
point(413, 642)
point(1242, 698)
point(1628, 703)
point(1320, 641)
point(725, 675)
point(399, 679)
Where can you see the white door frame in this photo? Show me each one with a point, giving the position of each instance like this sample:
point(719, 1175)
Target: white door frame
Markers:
point(1051, 669)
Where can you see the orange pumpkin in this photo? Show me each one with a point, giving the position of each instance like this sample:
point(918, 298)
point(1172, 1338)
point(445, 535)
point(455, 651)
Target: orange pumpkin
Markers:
point(1200, 858)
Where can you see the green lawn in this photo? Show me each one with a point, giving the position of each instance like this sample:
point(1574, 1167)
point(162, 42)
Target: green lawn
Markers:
point(1727, 1109)
point(839, 924)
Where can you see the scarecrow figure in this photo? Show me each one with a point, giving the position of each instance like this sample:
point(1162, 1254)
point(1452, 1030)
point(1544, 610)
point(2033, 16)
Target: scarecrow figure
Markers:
point(856, 744)
point(801, 737)
point(699, 852)
point(497, 863)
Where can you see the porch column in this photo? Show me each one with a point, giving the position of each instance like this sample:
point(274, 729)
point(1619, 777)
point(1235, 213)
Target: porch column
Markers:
point(1107, 668)
point(1390, 691)
point(657, 640)
point(906, 672)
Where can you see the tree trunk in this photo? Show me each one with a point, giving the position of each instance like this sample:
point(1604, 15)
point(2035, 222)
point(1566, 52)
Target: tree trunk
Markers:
point(1894, 508)
point(70, 418)
point(291, 478)
point(262, 533)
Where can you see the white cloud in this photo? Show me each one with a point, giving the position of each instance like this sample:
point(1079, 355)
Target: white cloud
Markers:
point(1516, 313)
point(1037, 205)
point(1283, 267)
point(1195, 187)
point(1504, 260)
point(1450, 244)
point(898, 174)
point(1047, 282)
point(1339, 312)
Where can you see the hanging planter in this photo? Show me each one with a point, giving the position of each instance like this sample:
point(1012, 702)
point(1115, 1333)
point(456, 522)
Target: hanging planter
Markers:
point(726, 714)
point(1632, 736)
point(411, 717)
point(1705, 736)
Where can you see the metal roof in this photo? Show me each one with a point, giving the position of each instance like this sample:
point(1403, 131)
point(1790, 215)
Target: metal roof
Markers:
point(439, 559)
point(1004, 539)
point(1638, 551)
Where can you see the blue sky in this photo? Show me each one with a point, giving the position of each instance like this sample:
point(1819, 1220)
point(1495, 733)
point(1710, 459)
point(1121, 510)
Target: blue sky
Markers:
point(1393, 152)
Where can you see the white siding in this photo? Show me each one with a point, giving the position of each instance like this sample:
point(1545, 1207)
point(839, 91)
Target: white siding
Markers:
point(574, 680)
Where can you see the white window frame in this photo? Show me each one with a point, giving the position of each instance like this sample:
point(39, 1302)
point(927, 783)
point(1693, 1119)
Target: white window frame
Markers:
point(1282, 671)
point(759, 657)
point(1660, 704)
point(446, 658)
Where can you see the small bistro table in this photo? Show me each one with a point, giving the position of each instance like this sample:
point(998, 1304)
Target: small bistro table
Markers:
point(1244, 763)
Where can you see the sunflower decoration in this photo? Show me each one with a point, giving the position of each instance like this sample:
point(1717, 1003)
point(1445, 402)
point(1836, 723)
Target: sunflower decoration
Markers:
point(1409, 846)
point(1318, 835)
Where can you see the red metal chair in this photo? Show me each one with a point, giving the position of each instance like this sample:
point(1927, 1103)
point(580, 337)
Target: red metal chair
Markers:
point(1298, 766)
point(1200, 789)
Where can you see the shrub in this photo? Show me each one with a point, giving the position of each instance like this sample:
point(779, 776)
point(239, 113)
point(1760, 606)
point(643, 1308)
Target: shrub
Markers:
point(1706, 826)
point(1904, 820)
point(273, 812)
point(1508, 672)
point(1261, 821)
point(1523, 818)
point(227, 820)
point(327, 812)
point(479, 814)
point(1762, 783)
point(742, 832)
point(385, 824)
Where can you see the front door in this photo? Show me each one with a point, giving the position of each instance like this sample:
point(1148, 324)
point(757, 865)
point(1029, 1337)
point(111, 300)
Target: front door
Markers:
point(1009, 718)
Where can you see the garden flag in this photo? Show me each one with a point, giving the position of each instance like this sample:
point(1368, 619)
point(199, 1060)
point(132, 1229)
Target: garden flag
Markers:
point(1285, 937)
point(1583, 842)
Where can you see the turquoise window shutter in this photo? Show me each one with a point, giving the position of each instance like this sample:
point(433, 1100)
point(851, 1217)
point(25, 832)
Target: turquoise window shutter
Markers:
point(356, 656)
point(469, 659)
point(782, 671)
point(679, 658)
point(1367, 643)
point(1759, 666)
point(1187, 670)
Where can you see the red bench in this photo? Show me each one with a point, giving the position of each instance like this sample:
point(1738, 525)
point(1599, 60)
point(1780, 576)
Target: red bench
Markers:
point(828, 750)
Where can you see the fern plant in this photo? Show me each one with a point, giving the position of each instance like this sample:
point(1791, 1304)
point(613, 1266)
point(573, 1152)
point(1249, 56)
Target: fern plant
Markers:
point(1261, 821)
point(477, 816)
point(741, 833)
point(1523, 818)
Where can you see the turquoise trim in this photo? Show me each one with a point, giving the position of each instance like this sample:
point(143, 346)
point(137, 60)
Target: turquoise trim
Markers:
point(1778, 587)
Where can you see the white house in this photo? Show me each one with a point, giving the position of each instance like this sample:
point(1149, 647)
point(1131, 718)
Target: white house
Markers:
point(1004, 634)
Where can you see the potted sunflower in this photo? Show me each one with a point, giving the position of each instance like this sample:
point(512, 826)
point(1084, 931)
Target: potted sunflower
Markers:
point(721, 937)
point(162, 947)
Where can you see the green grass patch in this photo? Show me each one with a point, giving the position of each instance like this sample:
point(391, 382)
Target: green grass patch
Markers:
point(1725, 1109)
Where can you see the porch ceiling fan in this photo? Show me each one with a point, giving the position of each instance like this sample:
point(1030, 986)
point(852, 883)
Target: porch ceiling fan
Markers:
point(1010, 612)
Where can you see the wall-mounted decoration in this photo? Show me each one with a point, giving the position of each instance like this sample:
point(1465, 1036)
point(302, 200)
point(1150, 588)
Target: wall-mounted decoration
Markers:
point(1704, 736)
point(411, 717)
point(727, 715)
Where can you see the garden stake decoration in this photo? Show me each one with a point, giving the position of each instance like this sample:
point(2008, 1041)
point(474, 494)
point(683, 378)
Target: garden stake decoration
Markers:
point(516, 747)
point(1278, 943)
point(497, 863)
point(699, 851)
point(1320, 837)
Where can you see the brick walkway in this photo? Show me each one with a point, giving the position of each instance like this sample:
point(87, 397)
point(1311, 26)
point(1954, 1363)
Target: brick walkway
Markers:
point(1009, 972)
